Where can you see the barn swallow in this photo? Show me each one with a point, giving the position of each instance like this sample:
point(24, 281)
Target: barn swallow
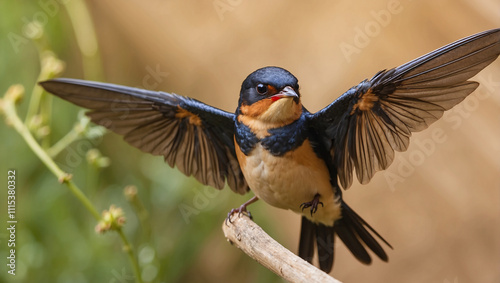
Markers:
point(287, 156)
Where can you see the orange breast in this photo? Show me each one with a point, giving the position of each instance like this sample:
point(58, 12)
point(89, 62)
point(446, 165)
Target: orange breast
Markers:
point(289, 180)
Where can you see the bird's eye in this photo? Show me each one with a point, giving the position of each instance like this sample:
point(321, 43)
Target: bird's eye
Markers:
point(261, 88)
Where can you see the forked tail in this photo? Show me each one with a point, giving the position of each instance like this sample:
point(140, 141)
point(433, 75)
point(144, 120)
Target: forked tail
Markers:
point(351, 229)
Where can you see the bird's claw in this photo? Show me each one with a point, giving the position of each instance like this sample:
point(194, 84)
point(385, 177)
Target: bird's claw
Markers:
point(312, 204)
point(240, 210)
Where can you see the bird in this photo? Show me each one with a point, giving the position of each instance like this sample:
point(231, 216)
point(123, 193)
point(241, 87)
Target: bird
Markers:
point(287, 156)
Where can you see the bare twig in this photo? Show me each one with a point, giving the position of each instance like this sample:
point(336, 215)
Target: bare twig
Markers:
point(252, 240)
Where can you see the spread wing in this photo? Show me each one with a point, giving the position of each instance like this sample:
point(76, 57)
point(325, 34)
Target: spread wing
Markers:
point(193, 136)
point(364, 126)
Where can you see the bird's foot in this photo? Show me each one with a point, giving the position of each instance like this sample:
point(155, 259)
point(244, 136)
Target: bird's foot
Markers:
point(241, 209)
point(312, 204)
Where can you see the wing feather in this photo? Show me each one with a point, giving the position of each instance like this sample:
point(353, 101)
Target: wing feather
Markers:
point(194, 137)
point(368, 123)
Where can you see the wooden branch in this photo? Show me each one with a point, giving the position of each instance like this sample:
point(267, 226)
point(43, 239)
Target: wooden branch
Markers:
point(252, 240)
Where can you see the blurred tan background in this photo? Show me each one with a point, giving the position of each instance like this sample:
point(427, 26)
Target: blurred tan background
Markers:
point(438, 204)
point(443, 215)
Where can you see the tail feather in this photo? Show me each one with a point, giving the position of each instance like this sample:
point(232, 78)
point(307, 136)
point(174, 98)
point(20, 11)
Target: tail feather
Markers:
point(347, 234)
point(360, 230)
point(323, 236)
point(351, 229)
point(307, 236)
point(325, 243)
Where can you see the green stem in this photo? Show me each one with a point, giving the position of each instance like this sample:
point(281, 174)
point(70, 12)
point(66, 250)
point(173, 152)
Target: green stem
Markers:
point(9, 109)
point(7, 106)
point(130, 252)
point(65, 141)
point(37, 92)
point(46, 115)
point(35, 99)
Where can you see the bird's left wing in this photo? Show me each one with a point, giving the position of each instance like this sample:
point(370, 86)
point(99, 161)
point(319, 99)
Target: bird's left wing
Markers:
point(191, 135)
point(364, 126)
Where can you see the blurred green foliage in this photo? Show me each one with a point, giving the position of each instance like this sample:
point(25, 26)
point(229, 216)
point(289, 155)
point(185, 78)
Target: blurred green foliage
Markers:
point(56, 240)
